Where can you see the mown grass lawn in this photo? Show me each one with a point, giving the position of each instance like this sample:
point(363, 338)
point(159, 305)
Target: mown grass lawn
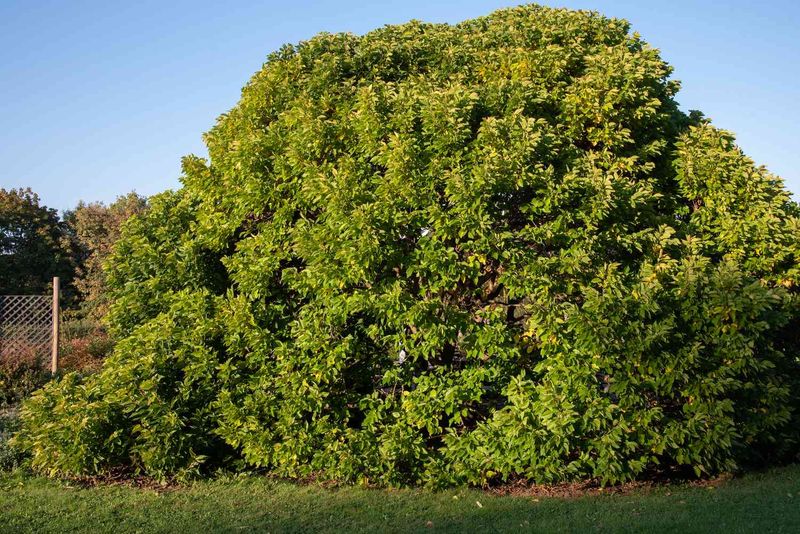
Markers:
point(763, 502)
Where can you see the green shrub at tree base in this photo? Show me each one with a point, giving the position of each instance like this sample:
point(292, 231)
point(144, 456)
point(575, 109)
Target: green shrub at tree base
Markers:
point(151, 402)
point(20, 375)
point(442, 255)
point(35, 246)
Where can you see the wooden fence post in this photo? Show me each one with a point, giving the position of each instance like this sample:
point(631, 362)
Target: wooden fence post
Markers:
point(54, 348)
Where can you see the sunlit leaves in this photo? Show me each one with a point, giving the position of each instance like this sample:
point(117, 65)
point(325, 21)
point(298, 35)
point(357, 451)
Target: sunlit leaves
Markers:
point(451, 254)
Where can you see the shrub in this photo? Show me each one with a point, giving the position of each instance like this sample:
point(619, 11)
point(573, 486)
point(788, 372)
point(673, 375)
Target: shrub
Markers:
point(35, 245)
point(10, 456)
point(84, 344)
point(149, 407)
point(20, 375)
point(450, 254)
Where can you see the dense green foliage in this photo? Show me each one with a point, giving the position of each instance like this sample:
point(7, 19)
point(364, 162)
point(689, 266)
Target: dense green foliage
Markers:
point(10, 457)
point(19, 377)
point(443, 254)
point(96, 227)
point(35, 245)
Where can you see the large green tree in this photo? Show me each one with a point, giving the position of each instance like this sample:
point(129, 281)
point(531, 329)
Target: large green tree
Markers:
point(446, 254)
point(35, 245)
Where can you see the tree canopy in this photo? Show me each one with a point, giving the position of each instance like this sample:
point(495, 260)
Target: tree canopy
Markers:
point(35, 245)
point(439, 254)
point(96, 227)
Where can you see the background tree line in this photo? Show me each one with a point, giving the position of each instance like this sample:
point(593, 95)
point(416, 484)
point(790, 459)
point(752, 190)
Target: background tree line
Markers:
point(37, 244)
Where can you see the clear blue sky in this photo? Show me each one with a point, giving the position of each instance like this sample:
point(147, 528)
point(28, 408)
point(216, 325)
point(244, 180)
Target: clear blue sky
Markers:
point(98, 98)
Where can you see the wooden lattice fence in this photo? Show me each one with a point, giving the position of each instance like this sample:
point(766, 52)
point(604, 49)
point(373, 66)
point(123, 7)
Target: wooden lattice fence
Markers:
point(29, 327)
